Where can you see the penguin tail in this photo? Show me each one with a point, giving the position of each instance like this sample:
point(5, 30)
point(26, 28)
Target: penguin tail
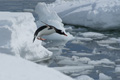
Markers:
point(34, 39)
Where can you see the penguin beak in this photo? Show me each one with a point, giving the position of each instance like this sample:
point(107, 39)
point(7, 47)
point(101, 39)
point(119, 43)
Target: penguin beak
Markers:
point(65, 34)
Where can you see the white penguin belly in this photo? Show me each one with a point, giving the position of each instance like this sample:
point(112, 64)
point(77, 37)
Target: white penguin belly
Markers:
point(46, 31)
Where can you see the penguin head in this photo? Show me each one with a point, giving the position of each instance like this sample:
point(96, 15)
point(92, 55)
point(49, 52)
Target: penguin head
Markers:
point(60, 32)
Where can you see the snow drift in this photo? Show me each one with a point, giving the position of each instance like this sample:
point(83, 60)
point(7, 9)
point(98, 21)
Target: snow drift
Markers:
point(17, 30)
point(21, 69)
point(96, 14)
point(50, 17)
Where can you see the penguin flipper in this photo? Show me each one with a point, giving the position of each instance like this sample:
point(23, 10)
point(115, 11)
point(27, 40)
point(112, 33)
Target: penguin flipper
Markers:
point(34, 39)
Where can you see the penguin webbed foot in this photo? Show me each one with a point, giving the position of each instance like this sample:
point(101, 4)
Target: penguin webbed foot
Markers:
point(41, 39)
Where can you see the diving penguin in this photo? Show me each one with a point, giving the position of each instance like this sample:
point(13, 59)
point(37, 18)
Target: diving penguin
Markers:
point(46, 30)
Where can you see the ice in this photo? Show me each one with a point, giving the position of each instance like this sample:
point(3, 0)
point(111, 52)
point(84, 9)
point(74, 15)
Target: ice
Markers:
point(96, 14)
point(112, 48)
point(102, 76)
point(117, 61)
point(84, 39)
point(74, 66)
point(74, 69)
point(62, 61)
point(17, 31)
point(67, 62)
point(28, 10)
point(81, 40)
point(100, 62)
point(73, 61)
point(14, 68)
point(58, 58)
point(69, 28)
point(84, 59)
point(50, 17)
point(84, 77)
point(76, 41)
point(108, 42)
point(117, 69)
point(117, 40)
point(93, 35)
point(79, 61)
point(83, 54)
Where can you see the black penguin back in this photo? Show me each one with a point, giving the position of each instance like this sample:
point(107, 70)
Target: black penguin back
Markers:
point(39, 29)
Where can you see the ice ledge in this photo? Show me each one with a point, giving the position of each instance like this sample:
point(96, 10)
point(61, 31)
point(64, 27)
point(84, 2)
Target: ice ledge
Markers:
point(17, 30)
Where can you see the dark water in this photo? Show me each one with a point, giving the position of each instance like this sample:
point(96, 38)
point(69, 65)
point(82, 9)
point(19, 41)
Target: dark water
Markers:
point(71, 49)
point(20, 5)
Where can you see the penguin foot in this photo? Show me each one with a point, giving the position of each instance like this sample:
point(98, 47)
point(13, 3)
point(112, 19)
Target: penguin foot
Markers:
point(41, 39)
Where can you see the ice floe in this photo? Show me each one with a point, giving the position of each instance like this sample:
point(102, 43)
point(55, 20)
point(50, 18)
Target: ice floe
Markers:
point(84, 38)
point(102, 76)
point(84, 77)
point(108, 42)
point(76, 41)
point(117, 69)
point(100, 62)
point(74, 69)
point(73, 61)
point(93, 35)
point(96, 14)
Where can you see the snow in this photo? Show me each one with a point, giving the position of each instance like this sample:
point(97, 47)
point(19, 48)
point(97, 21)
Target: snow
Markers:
point(50, 17)
point(102, 76)
point(17, 31)
point(14, 68)
point(96, 14)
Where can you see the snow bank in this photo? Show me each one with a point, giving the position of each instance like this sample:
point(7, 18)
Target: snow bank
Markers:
point(50, 17)
point(12, 68)
point(97, 14)
point(17, 30)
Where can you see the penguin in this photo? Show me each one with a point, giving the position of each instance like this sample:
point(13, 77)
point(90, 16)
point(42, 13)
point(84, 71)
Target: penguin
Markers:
point(46, 30)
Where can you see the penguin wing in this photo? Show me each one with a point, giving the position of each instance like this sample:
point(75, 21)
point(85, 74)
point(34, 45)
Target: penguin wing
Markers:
point(50, 28)
point(39, 29)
